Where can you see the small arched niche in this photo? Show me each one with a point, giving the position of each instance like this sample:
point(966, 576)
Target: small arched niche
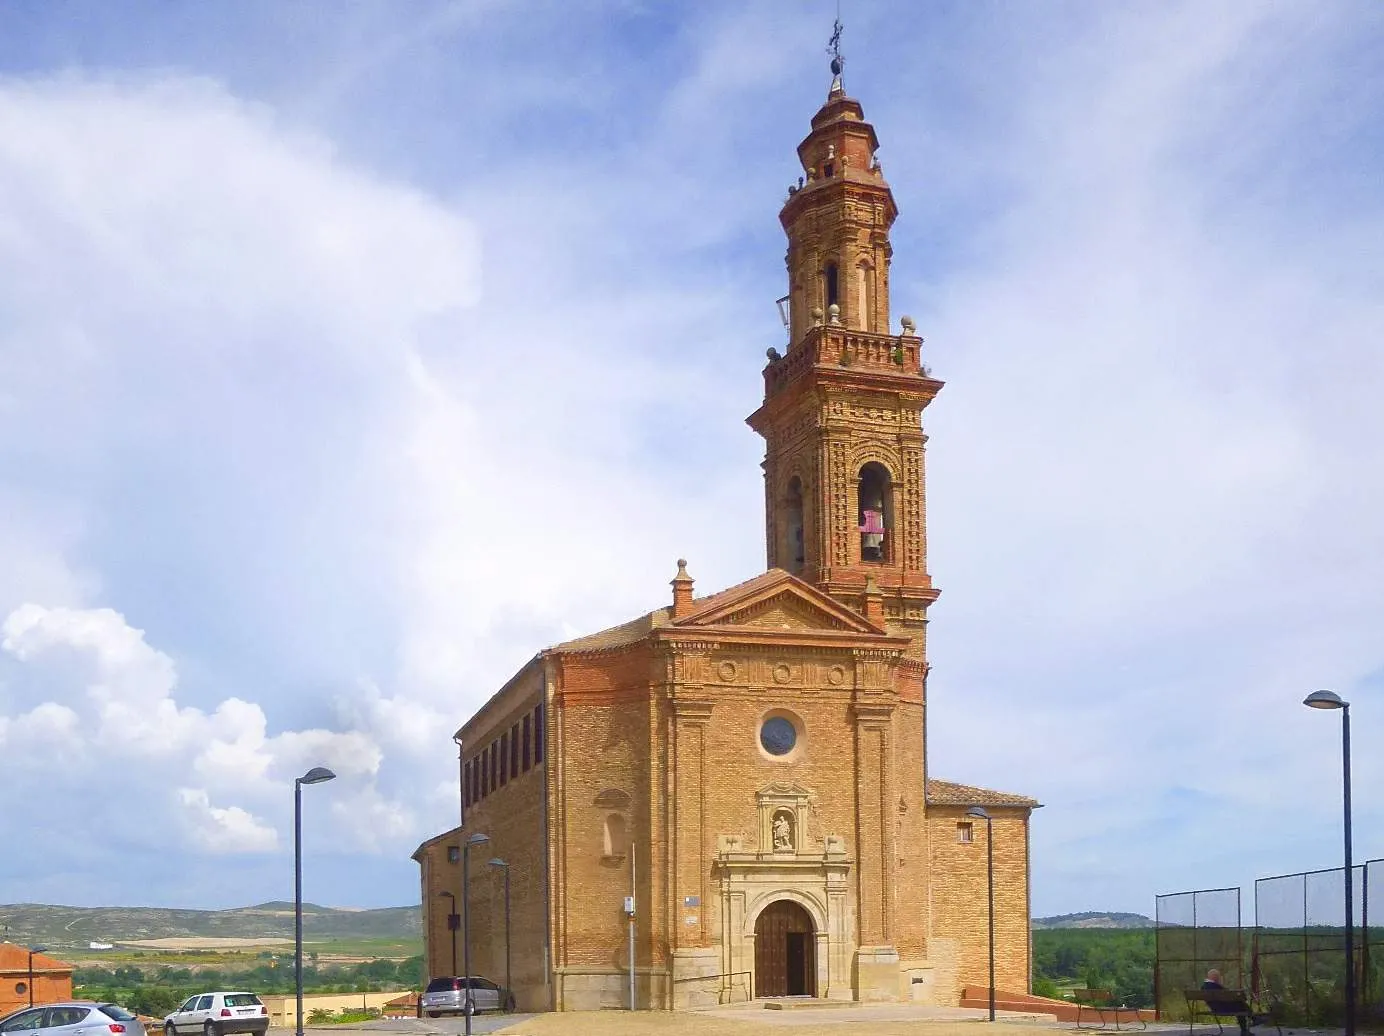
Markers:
point(614, 837)
point(795, 553)
point(876, 510)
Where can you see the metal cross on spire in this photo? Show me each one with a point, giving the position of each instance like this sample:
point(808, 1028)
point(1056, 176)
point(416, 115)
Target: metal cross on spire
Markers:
point(834, 44)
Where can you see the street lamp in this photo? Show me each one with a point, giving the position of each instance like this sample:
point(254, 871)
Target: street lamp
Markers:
point(452, 920)
point(316, 775)
point(979, 812)
point(32, 951)
point(1332, 700)
point(497, 862)
point(469, 1005)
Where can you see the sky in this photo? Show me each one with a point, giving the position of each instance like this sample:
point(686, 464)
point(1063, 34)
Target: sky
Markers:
point(352, 353)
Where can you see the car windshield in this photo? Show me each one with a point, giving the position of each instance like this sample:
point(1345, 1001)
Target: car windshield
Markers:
point(242, 1000)
point(116, 1012)
point(441, 985)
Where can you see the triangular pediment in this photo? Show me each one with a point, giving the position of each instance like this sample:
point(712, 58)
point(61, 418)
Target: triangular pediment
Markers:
point(777, 601)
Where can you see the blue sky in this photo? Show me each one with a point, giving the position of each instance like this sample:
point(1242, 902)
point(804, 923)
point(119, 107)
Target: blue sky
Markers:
point(339, 344)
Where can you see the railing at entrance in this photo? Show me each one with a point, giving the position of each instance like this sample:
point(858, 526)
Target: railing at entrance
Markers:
point(749, 980)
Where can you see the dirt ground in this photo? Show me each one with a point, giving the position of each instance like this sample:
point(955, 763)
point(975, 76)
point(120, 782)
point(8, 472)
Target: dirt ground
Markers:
point(861, 1021)
point(204, 943)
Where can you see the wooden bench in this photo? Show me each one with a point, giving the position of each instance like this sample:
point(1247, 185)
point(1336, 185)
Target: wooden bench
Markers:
point(1225, 1003)
point(1102, 1002)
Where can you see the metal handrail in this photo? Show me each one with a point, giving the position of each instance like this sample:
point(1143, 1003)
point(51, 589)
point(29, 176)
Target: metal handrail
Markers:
point(723, 974)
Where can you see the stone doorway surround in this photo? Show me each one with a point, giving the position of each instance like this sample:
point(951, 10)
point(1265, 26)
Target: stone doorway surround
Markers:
point(789, 865)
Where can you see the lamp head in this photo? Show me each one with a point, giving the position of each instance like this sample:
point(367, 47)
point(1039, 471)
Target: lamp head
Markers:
point(317, 775)
point(38, 949)
point(444, 894)
point(978, 811)
point(497, 862)
point(1325, 700)
point(477, 839)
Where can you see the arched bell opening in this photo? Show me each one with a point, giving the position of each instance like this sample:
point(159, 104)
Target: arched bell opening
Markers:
point(875, 507)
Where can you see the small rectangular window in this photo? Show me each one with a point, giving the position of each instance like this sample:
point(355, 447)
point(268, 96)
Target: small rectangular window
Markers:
point(538, 733)
point(494, 766)
point(514, 751)
point(485, 771)
point(504, 759)
point(965, 832)
point(466, 784)
point(528, 742)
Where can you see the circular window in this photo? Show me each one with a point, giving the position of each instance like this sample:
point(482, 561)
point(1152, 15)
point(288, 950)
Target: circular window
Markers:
point(778, 735)
point(20, 987)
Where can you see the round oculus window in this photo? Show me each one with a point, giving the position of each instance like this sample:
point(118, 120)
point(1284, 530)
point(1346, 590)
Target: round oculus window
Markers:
point(778, 735)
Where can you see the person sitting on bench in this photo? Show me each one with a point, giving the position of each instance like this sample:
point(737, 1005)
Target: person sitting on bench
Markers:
point(1226, 1008)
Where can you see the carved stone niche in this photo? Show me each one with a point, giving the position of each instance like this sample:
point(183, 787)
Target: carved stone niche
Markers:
point(783, 819)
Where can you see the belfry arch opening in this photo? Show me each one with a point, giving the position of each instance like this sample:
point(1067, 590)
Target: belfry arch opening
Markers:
point(785, 951)
point(831, 285)
point(875, 507)
point(795, 553)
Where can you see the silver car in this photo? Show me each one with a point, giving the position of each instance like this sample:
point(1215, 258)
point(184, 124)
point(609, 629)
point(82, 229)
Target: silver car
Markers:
point(74, 1018)
point(447, 995)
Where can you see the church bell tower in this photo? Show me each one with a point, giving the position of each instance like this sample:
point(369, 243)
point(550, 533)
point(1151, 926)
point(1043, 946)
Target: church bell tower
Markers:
point(842, 411)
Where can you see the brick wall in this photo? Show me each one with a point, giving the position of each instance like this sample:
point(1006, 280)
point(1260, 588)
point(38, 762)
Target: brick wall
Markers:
point(959, 888)
point(510, 813)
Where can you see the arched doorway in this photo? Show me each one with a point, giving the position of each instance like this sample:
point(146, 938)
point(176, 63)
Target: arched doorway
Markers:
point(785, 957)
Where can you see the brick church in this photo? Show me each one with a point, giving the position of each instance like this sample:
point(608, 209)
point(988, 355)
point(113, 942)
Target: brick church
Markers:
point(750, 765)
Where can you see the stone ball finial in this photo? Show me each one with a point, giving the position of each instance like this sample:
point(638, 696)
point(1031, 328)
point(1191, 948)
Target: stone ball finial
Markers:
point(773, 354)
point(682, 566)
point(816, 314)
point(906, 322)
point(834, 313)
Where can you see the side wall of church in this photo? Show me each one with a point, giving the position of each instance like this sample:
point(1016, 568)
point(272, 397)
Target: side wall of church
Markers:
point(509, 808)
point(959, 893)
point(602, 787)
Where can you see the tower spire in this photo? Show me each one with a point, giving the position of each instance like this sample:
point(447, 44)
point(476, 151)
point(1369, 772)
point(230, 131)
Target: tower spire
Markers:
point(838, 63)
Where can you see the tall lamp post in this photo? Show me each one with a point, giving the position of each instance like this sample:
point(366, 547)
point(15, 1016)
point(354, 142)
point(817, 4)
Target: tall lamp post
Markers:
point(468, 1004)
point(32, 951)
point(979, 812)
point(317, 775)
point(452, 920)
point(1332, 700)
point(497, 862)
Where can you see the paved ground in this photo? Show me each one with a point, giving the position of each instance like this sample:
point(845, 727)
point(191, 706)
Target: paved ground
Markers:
point(753, 1020)
point(744, 1020)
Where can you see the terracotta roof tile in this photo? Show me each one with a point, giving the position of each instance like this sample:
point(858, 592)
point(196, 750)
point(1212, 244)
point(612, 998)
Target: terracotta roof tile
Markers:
point(626, 633)
point(949, 793)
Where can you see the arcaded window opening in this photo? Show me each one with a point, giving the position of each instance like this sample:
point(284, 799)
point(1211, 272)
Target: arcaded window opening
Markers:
point(876, 513)
point(796, 553)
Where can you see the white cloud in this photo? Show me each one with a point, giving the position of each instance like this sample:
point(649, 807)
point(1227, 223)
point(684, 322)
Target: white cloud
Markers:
point(256, 395)
point(227, 829)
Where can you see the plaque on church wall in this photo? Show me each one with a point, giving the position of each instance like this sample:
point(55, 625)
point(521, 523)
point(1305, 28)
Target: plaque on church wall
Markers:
point(692, 901)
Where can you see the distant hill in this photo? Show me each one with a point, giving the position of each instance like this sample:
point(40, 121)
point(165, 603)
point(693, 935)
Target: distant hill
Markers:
point(62, 926)
point(1094, 919)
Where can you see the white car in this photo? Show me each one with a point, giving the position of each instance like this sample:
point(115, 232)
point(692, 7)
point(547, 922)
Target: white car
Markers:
point(215, 1014)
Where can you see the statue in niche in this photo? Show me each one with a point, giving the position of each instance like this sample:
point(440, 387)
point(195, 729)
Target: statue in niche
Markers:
point(783, 833)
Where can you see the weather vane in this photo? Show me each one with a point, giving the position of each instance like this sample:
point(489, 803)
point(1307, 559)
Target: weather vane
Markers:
point(834, 44)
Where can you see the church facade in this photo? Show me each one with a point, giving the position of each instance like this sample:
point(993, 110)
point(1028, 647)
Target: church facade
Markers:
point(728, 797)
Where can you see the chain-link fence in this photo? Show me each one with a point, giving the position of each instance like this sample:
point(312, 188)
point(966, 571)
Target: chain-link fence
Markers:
point(1195, 932)
point(1372, 935)
point(1299, 944)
